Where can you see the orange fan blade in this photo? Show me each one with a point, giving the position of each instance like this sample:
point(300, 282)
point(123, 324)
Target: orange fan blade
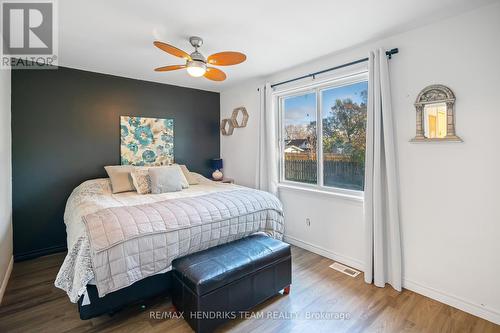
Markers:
point(172, 50)
point(215, 74)
point(169, 68)
point(226, 58)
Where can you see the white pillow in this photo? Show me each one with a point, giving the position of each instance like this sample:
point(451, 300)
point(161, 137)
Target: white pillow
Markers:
point(189, 176)
point(167, 179)
point(121, 181)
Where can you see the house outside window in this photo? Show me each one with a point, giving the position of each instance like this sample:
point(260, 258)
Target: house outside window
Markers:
point(323, 134)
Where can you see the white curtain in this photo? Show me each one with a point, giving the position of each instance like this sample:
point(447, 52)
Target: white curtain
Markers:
point(267, 161)
point(381, 204)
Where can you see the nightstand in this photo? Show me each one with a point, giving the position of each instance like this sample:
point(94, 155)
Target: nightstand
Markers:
point(224, 180)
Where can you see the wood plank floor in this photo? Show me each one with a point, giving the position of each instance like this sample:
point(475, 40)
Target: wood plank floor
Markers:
point(32, 304)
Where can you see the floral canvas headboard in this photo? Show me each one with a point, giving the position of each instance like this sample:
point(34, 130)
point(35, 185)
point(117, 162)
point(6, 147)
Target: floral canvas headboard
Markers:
point(146, 141)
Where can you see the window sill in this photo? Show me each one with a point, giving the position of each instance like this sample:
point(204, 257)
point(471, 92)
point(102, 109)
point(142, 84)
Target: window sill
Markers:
point(333, 193)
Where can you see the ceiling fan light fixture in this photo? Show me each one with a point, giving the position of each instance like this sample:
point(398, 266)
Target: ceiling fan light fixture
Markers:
point(196, 68)
point(196, 63)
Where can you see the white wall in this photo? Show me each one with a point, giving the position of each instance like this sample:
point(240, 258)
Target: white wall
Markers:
point(239, 151)
point(5, 182)
point(451, 239)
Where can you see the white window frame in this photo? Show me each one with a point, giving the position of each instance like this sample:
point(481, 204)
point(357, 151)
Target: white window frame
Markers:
point(317, 87)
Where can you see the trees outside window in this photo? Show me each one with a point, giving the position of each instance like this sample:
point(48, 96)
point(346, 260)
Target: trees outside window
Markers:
point(338, 149)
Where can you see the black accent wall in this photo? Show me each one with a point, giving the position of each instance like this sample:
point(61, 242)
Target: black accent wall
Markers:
point(66, 128)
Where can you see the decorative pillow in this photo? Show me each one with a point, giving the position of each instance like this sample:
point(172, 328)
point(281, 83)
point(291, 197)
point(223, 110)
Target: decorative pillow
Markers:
point(141, 181)
point(189, 177)
point(121, 181)
point(167, 179)
point(184, 181)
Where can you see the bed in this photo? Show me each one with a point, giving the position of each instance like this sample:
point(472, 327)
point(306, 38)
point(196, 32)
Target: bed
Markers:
point(215, 213)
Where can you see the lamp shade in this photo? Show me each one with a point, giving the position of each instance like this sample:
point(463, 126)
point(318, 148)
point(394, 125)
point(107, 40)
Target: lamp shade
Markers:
point(217, 163)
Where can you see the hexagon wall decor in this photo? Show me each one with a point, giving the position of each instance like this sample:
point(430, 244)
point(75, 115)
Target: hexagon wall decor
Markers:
point(226, 127)
point(236, 115)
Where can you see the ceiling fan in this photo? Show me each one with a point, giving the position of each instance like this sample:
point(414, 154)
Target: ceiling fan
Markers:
point(196, 64)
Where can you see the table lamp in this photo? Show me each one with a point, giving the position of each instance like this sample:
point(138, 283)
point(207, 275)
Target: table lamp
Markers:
point(217, 165)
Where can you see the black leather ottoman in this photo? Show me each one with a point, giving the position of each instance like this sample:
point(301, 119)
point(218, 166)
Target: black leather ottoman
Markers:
point(215, 285)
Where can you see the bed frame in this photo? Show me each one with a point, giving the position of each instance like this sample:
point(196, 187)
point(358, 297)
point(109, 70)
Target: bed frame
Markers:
point(142, 290)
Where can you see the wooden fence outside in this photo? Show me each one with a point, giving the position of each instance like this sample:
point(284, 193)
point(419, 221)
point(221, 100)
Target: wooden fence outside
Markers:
point(336, 172)
point(312, 156)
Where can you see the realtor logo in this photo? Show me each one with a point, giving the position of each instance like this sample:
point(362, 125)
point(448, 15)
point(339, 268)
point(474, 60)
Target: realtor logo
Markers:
point(28, 33)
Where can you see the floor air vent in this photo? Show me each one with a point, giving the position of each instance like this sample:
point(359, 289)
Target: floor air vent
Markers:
point(344, 269)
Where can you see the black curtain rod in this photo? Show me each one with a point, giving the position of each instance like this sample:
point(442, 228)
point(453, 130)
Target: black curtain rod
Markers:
point(387, 53)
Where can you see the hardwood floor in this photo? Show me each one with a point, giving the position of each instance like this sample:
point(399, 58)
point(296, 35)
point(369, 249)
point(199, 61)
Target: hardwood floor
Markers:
point(32, 304)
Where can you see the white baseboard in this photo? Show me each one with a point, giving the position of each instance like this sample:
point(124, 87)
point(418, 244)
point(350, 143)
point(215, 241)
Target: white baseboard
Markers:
point(6, 278)
point(454, 301)
point(346, 260)
point(448, 299)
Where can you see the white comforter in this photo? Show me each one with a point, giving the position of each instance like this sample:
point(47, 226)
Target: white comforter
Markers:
point(92, 196)
point(95, 194)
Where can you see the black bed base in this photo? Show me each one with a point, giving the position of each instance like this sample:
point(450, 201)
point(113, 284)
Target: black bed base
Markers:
point(153, 286)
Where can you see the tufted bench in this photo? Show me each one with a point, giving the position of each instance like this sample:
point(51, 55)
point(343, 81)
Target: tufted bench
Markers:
point(214, 285)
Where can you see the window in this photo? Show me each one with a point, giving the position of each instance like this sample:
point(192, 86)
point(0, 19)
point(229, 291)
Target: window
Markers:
point(323, 134)
point(300, 138)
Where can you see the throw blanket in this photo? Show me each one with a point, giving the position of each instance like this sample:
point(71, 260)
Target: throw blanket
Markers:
point(130, 243)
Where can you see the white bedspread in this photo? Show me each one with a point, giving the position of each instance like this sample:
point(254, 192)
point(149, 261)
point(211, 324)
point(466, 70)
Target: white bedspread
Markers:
point(95, 194)
point(92, 196)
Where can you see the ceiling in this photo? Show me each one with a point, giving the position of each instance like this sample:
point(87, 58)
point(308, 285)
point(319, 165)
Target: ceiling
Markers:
point(116, 36)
